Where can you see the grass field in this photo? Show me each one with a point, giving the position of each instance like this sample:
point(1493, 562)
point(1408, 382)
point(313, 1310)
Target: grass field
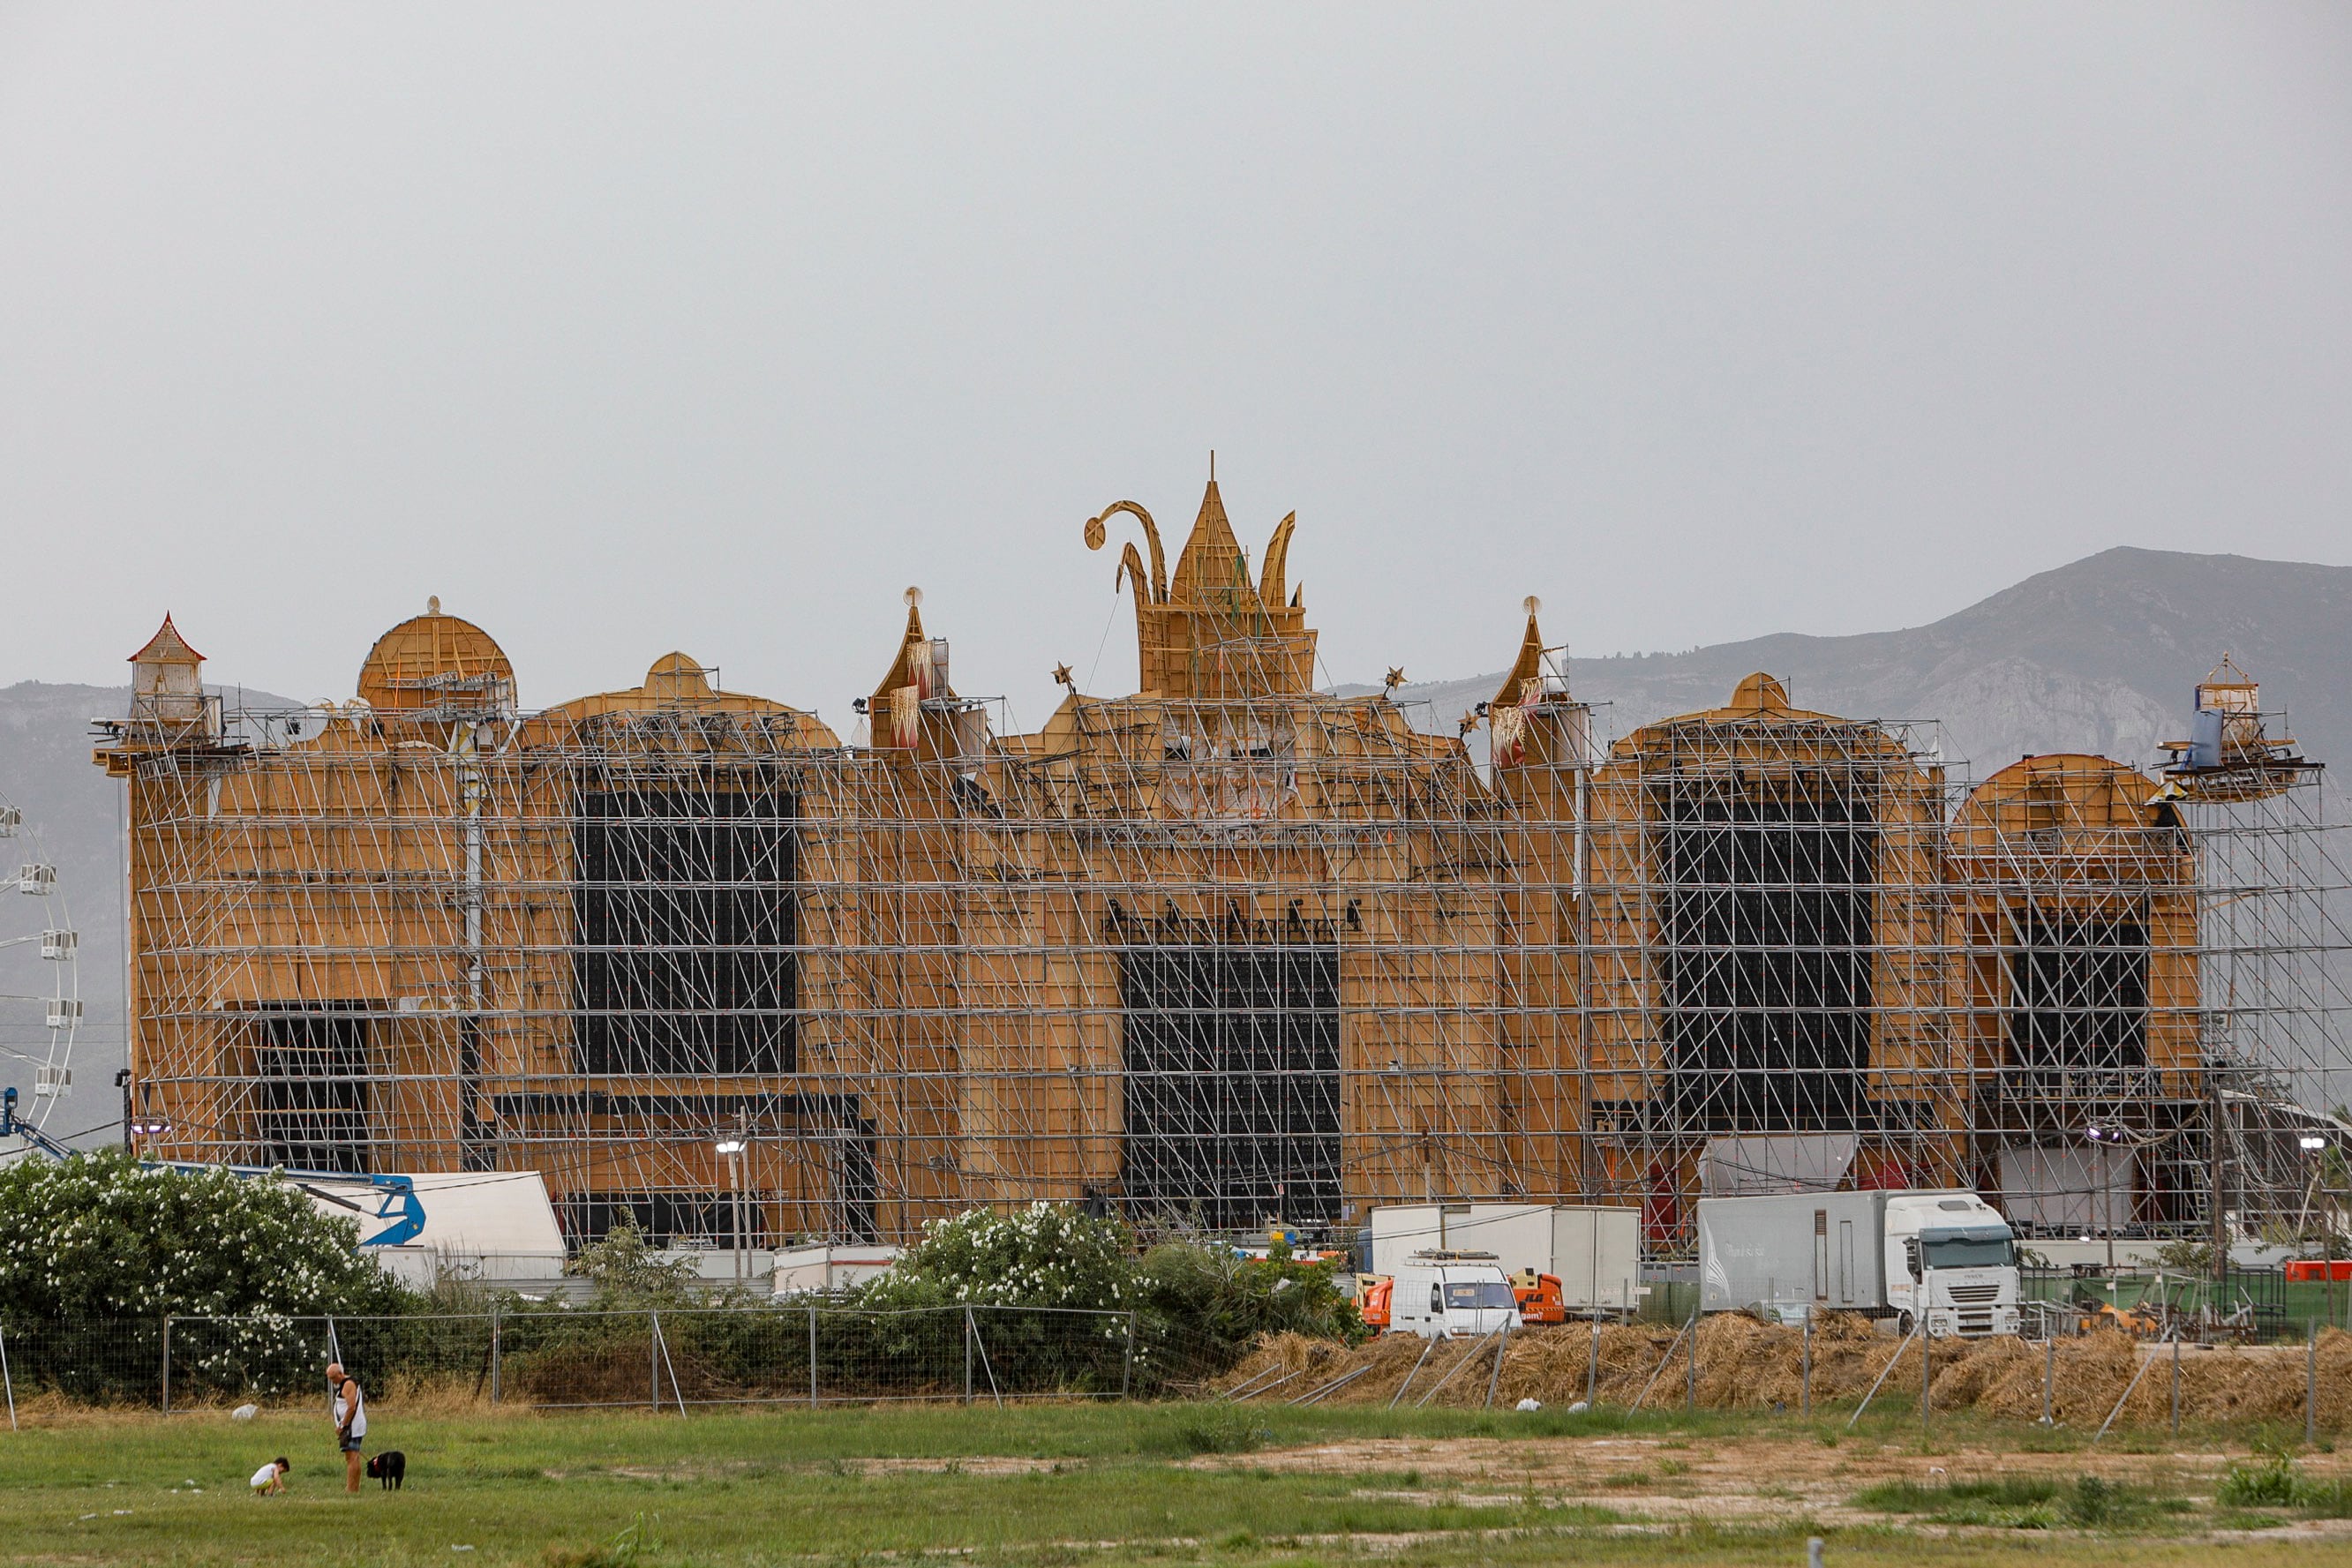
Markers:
point(1055, 1485)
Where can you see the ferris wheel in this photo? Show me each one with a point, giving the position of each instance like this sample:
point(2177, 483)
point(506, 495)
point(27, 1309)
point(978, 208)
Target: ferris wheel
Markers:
point(40, 992)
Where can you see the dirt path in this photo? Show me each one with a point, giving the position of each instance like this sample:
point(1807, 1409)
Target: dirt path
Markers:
point(1760, 1480)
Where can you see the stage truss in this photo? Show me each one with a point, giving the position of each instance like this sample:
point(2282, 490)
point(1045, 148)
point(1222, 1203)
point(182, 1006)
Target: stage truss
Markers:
point(1251, 953)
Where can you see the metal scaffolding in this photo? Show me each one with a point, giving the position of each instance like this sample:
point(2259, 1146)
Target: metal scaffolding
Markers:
point(1226, 951)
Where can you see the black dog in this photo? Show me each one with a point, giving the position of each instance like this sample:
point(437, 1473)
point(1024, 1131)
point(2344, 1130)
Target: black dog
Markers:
point(391, 1468)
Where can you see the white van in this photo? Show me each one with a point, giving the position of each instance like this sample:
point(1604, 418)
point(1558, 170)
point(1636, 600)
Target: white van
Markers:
point(1452, 1295)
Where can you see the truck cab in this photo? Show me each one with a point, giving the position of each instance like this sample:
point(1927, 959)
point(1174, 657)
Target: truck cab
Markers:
point(1452, 1295)
point(1952, 1260)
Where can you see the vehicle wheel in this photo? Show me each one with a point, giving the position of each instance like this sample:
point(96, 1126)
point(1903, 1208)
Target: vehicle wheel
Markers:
point(1903, 1324)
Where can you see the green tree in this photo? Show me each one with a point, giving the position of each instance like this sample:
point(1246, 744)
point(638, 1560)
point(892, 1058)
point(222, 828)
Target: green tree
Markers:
point(1194, 1309)
point(2187, 1256)
point(1215, 1306)
point(628, 1272)
point(100, 1236)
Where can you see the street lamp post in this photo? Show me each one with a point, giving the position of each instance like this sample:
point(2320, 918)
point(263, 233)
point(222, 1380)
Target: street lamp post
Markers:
point(2316, 1148)
point(2107, 1190)
point(734, 1149)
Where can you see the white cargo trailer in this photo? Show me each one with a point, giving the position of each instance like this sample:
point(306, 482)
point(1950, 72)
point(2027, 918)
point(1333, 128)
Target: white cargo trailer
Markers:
point(1596, 1253)
point(1883, 1254)
point(1790, 1248)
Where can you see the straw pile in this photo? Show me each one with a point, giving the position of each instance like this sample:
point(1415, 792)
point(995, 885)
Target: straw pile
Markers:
point(1747, 1365)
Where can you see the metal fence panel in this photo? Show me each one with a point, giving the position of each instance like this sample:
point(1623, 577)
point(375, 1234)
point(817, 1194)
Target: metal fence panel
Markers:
point(105, 1361)
point(808, 1351)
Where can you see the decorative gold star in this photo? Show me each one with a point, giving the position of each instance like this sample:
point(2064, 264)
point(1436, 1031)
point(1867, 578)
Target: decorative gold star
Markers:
point(1062, 676)
point(1469, 722)
point(1396, 677)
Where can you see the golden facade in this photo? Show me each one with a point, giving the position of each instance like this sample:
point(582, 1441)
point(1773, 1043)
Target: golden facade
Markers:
point(1228, 949)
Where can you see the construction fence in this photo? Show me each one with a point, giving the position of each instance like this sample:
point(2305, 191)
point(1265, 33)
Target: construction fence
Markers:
point(655, 1358)
point(814, 1354)
point(2247, 1306)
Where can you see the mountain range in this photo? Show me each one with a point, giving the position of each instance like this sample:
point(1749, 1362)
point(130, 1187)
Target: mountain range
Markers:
point(2101, 655)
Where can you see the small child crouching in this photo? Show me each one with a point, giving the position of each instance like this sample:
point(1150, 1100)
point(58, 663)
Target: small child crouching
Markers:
point(271, 1479)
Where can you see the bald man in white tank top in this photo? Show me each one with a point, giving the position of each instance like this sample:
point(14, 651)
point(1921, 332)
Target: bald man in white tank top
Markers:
point(351, 1422)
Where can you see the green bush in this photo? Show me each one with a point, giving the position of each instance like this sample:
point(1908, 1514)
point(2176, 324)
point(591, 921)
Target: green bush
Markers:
point(101, 1236)
point(96, 1251)
point(2330, 1498)
point(1991, 1491)
point(1213, 1305)
point(628, 1273)
point(1195, 1309)
point(2020, 1502)
point(2269, 1481)
point(1210, 1429)
point(2272, 1480)
point(2095, 1502)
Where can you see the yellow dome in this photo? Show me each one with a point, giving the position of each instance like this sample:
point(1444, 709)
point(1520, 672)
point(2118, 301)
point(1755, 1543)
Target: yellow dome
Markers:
point(1759, 693)
point(675, 677)
point(436, 661)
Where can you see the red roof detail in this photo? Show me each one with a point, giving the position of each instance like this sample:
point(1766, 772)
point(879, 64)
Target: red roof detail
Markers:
point(166, 647)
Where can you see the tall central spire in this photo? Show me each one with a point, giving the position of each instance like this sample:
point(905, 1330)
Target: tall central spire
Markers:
point(1210, 570)
point(1209, 632)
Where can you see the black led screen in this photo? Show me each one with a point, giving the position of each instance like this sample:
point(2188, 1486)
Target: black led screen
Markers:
point(1766, 927)
point(1231, 1060)
point(310, 1089)
point(684, 918)
point(2078, 999)
point(664, 1219)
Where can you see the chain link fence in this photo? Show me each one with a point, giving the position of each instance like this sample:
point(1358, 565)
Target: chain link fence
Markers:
point(2250, 1306)
point(808, 1353)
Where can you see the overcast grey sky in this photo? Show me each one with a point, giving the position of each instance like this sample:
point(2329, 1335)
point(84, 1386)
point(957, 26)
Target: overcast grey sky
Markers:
point(628, 328)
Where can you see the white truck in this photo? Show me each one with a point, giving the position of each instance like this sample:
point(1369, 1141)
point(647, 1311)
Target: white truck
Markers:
point(1947, 1256)
point(1594, 1253)
point(1452, 1295)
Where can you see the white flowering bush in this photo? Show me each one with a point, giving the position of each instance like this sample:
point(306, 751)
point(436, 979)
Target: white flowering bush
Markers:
point(1179, 1313)
point(87, 1242)
point(1046, 1255)
point(100, 1236)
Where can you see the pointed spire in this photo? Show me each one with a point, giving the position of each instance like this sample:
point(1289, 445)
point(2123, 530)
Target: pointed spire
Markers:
point(166, 647)
point(1210, 570)
point(1209, 632)
point(918, 671)
point(167, 680)
point(1527, 670)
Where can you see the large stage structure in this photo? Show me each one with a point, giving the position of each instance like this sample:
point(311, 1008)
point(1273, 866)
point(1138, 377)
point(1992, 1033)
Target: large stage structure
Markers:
point(1227, 950)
